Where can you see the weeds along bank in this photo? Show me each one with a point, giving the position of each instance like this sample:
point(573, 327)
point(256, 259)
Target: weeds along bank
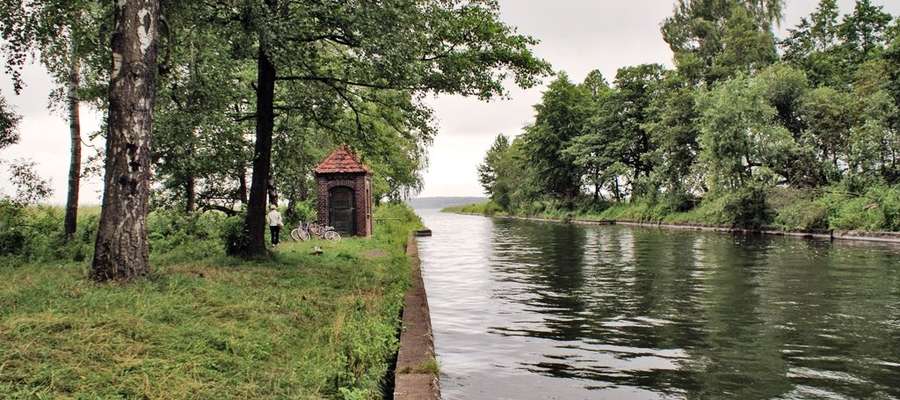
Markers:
point(204, 325)
point(834, 208)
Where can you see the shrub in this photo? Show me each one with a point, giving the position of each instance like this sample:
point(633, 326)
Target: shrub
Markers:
point(31, 233)
point(169, 230)
point(741, 208)
point(747, 208)
point(234, 235)
point(303, 211)
point(804, 215)
point(878, 209)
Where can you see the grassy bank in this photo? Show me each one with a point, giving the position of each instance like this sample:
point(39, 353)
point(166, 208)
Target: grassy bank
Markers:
point(209, 326)
point(876, 210)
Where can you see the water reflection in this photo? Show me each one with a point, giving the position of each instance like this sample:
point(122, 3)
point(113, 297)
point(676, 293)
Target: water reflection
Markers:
point(525, 310)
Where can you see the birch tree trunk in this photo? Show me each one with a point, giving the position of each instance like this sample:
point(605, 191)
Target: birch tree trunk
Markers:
point(121, 251)
point(71, 221)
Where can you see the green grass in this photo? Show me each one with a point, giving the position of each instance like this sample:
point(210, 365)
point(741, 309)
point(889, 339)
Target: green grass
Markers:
point(483, 208)
point(298, 326)
point(427, 367)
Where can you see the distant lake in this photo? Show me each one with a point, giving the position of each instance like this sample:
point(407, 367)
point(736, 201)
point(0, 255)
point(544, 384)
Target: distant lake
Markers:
point(529, 310)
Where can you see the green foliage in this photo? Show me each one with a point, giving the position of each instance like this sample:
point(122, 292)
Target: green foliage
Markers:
point(487, 170)
point(803, 216)
point(234, 235)
point(876, 209)
point(304, 211)
point(745, 208)
point(295, 326)
point(673, 130)
point(712, 40)
point(191, 235)
point(32, 234)
point(560, 117)
point(9, 121)
point(733, 136)
point(485, 208)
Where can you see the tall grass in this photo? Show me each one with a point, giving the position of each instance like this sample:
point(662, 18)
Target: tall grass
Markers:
point(296, 326)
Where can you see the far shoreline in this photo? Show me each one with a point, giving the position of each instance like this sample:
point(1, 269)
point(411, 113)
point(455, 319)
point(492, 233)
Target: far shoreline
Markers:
point(833, 235)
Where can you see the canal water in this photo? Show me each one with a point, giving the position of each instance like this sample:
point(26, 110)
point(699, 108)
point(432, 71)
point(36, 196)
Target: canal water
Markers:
point(531, 310)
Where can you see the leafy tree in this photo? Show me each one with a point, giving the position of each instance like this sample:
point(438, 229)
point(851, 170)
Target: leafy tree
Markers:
point(673, 132)
point(864, 32)
point(828, 117)
point(814, 47)
point(700, 31)
point(874, 141)
point(487, 170)
point(746, 48)
point(201, 125)
point(9, 120)
point(69, 51)
point(635, 88)
point(346, 53)
point(559, 118)
point(739, 136)
point(517, 184)
point(591, 151)
point(784, 86)
point(30, 187)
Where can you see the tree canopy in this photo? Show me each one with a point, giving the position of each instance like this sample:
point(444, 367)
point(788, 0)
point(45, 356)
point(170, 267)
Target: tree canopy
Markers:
point(736, 119)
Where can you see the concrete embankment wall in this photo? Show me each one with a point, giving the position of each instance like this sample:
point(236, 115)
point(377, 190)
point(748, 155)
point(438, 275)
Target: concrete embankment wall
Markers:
point(416, 374)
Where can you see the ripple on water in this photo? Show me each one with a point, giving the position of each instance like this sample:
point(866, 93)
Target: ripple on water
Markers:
point(526, 310)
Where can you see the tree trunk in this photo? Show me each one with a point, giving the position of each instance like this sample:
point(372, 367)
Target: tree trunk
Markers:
point(190, 181)
point(272, 190)
point(121, 251)
point(71, 221)
point(255, 223)
point(242, 189)
point(290, 214)
point(616, 191)
point(303, 189)
point(190, 194)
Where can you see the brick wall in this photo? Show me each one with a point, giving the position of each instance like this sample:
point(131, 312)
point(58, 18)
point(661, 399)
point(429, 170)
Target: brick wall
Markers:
point(362, 190)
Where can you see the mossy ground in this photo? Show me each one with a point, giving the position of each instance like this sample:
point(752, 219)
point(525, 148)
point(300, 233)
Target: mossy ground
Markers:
point(296, 326)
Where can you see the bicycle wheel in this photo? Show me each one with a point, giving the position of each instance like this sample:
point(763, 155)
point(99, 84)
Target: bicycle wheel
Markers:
point(332, 235)
point(299, 235)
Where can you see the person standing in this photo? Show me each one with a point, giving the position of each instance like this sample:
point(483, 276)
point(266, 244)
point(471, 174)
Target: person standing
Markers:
point(275, 224)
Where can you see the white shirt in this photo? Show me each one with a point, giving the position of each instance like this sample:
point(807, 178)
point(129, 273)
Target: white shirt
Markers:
point(274, 218)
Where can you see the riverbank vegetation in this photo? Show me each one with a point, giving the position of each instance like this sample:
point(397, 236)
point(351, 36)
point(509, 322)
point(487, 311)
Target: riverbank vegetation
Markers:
point(207, 325)
point(801, 133)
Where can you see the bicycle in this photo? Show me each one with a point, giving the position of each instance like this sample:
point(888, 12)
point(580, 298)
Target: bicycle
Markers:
point(305, 232)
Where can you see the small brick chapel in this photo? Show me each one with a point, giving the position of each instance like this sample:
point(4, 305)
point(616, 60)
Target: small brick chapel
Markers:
point(345, 193)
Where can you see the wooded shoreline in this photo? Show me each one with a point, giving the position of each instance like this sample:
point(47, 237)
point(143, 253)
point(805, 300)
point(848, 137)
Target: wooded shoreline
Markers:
point(883, 237)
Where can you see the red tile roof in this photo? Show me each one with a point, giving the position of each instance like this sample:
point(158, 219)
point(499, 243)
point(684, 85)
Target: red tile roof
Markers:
point(342, 161)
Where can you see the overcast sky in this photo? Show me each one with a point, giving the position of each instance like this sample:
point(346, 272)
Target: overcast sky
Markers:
point(576, 36)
